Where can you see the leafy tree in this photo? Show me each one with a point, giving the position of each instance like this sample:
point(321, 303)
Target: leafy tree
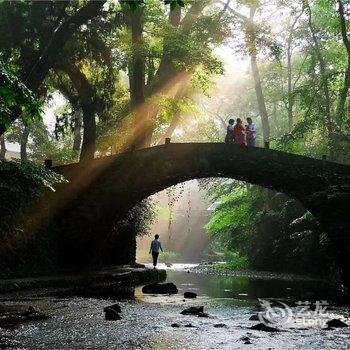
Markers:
point(14, 94)
point(36, 43)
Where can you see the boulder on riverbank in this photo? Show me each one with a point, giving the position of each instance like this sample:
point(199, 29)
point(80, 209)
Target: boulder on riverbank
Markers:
point(160, 288)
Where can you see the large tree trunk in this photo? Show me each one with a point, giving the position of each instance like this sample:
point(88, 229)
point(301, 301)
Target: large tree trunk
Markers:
point(142, 128)
point(290, 98)
point(2, 147)
point(340, 113)
point(86, 96)
point(290, 104)
point(73, 99)
point(88, 146)
point(251, 45)
point(77, 129)
point(169, 79)
point(177, 117)
point(24, 143)
point(260, 98)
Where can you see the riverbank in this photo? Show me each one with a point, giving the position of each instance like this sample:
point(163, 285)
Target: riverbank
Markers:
point(118, 276)
point(156, 322)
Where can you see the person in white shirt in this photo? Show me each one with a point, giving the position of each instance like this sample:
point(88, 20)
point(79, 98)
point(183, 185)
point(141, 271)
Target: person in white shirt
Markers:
point(251, 131)
point(156, 245)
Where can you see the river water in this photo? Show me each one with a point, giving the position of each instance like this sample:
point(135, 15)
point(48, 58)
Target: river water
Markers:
point(78, 323)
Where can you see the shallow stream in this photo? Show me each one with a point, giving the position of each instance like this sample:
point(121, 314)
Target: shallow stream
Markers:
point(78, 323)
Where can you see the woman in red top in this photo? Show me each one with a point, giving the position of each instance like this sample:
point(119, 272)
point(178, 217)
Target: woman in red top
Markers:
point(238, 132)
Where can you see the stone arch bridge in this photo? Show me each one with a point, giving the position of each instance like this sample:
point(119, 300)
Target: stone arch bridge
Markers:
point(102, 191)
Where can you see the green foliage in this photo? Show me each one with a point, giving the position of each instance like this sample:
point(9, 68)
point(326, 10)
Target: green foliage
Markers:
point(14, 94)
point(233, 219)
point(140, 218)
point(264, 231)
point(234, 262)
point(44, 145)
point(20, 183)
point(169, 257)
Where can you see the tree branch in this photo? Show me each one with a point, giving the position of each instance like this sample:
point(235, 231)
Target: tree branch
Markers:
point(61, 35)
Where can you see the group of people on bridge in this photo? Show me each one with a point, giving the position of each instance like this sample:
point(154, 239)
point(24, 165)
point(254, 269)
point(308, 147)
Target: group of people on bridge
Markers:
point(240, 134)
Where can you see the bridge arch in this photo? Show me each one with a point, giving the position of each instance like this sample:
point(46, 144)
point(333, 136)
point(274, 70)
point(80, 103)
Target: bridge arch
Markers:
point(117, 183)
point(103, 190)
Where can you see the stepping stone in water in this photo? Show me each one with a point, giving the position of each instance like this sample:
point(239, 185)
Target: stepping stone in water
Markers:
point(160, 288)
point(336, 323)
point(244, 338)
point(254, 318)
point(114, 307)
point(34, 315)
point(111, 315)
point(264, 328)
point(190, 295)
point(112, 312)
point(220, 325)
point(193, 310)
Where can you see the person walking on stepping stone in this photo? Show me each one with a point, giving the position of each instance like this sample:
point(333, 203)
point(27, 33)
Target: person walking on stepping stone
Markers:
point(156, 245)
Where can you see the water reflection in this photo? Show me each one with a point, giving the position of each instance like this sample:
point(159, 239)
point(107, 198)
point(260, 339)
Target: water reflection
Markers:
point(247, 288)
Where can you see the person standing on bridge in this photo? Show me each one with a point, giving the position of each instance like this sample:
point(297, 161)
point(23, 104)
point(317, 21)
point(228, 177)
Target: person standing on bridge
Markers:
point(250, 133)
point(238, 132)
point(156, 245)
point(229, 133)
